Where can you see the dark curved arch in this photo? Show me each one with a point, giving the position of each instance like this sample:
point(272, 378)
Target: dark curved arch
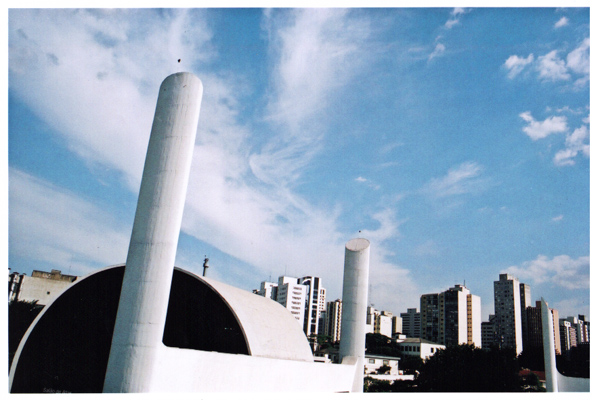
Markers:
point(68, 347)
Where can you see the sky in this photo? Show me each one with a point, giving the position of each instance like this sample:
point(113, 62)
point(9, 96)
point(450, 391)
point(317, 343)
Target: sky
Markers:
point(457, 141)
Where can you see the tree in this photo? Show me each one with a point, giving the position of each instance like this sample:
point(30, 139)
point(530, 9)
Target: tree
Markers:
point(411, 365)
point(382, 345)
point(464, 368)
point(575, 362)
point(20, 315)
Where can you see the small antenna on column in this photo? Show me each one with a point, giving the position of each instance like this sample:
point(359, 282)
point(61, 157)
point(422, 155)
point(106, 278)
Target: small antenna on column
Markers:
point(205, 266)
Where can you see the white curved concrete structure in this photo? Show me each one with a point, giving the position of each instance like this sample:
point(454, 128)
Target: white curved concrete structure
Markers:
point(354, 311)
point(270, 330)
point(555, 381)
point(149, 266)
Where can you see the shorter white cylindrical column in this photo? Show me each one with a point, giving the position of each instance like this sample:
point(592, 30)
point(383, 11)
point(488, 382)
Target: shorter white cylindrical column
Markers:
point(549, 351)
point(354, 306)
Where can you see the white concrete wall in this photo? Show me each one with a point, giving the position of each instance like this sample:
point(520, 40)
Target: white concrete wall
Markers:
point(182, 370)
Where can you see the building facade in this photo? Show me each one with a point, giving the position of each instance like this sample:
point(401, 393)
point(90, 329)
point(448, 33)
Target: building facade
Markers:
point(333, 320)
point(452, 317)
point(41, 286)
point(533, 316)
point(418, 347)
point(507, 309)
point(315, 303)
point(411, 323)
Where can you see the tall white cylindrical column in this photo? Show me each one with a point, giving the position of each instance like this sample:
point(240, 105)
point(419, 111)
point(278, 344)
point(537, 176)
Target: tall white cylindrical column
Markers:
point(354, 306)
point(149, 267)
point(549, 351)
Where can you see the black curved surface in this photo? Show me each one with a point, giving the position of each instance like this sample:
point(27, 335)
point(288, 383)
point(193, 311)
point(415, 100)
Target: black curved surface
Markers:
point(67, 350)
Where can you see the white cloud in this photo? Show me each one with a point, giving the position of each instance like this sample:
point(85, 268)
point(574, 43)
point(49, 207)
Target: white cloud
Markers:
point(316, 52)
point(558, 218)
point(516, 64)
point(94, 65)
point(52, 226)
point(438, 51)
point(563, 21)
point(360, 179)
point(238, 201)
point(560, 271)
point(454, 19)
point(575, 143)
point(578, 61)
point(551, 67)
point(538, 130)
point(459, 180)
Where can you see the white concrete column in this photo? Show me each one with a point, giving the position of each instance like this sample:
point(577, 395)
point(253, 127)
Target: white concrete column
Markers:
point(549, 351)
point(354, 307)
point(149, 267)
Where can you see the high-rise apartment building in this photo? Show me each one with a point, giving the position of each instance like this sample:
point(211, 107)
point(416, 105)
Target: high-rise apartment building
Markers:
point(333, 320)
point(292, 296)
point(568, 335)
point(268, 290)
point(533, 316)
point(489, 333)
point(303, 297)
point(451, 317)
point(383, 323)
point(507, 309)
point(315, 303)
point(411, 323)
point(581, 327)
point(430, 317)
point(525, 295)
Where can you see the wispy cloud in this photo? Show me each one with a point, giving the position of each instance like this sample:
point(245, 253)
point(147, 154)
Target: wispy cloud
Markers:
point(540, 129)
point(560, 271)
point(454, 18)
point(562, 22)
point(88, 68)
point(437, 51)
point(558, 218)
point(240, 196)
point(463, 179)
point(367, 182)
point(316, 52)
point(60, 230)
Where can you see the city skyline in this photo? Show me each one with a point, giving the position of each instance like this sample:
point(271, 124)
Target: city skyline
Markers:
point(455, 140)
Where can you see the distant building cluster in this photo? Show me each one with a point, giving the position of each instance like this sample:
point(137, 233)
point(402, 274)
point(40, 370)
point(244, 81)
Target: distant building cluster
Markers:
point(303, 297)
point(517, 324)
point(452, 317)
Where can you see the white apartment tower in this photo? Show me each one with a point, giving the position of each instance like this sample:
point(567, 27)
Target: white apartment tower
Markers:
point(333, 320)
point(268, 290)
point(292, 296)
point(507, 309)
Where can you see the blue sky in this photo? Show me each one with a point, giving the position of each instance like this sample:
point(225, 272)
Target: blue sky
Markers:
point(455, 140)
